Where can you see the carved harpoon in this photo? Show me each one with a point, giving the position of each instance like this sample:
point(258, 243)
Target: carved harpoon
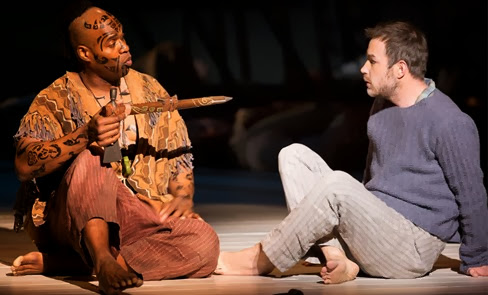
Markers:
point(173, 103)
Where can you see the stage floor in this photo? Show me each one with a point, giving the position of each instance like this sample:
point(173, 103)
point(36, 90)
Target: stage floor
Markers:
point(242, 207)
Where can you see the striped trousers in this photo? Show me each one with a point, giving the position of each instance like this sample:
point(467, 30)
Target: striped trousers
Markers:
point(327, 205)
point(156, 250)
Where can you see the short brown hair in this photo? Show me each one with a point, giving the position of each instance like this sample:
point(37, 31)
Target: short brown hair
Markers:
point(403, 41)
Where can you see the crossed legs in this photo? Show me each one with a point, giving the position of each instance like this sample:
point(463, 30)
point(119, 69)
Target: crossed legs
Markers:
point(73, 215)
point(108, 227)
point(300, 170)
point(380, 241)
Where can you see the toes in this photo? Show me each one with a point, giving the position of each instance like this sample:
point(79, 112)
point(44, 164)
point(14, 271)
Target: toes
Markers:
point(139, 282)
point(323, 271)
point(135, 280)
point(218, 270)
point(18, 261)
point(19, 271)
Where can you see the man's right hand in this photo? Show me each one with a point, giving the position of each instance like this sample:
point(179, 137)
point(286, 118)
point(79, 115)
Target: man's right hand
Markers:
point(104, 127)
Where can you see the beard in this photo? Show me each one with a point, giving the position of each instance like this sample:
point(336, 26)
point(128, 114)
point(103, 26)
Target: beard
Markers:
point(387, 91)
point(387, 87)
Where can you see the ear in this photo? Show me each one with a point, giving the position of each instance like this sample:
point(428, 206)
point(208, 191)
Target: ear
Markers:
point(401, 69)
point(83, 53)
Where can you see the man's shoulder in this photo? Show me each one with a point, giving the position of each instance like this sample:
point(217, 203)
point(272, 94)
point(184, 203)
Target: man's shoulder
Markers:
point(59, 82)
point(444, 113)
point(440, 99)
point(56, 88)
point(440, 105)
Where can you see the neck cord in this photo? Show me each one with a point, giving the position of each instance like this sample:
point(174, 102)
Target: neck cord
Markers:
point(126, 163)
point(97, 98)
point(91, 91)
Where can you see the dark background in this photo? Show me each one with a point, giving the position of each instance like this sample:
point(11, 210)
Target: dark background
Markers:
point(292, 69)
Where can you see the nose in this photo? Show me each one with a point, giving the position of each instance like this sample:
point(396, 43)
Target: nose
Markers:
point(124, 47)
point(363, 69)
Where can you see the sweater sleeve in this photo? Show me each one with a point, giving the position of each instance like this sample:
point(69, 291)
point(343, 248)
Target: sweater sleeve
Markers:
point(458, 152)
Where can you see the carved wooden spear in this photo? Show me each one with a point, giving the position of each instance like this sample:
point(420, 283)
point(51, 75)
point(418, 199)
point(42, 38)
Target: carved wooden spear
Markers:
point(113, 154)
point(173, 103)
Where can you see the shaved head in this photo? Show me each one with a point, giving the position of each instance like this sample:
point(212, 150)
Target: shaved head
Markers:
point(93, 20)
point(99, 45)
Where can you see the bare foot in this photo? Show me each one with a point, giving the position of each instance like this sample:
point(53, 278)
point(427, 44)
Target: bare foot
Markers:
point(29, 264)
point(479, 271)
point(339, 268)
point(250, 261)
point(113, 278)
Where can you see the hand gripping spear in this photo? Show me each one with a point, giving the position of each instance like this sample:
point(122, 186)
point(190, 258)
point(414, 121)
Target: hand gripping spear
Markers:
point(112, 152)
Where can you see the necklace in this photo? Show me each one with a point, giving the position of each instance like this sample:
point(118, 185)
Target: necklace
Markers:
point(126, 163)
point(97, 98)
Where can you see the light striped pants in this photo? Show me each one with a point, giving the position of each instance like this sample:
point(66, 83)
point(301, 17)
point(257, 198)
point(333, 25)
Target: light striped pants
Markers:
point(325, 204)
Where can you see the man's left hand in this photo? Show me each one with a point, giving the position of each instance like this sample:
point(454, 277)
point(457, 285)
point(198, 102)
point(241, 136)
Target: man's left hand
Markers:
point(179, 207)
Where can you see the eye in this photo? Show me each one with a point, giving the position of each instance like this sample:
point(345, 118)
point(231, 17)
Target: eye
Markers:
point(111, 43)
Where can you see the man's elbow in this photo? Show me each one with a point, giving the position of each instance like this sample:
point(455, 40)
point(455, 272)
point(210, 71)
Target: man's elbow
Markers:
point(23, 173)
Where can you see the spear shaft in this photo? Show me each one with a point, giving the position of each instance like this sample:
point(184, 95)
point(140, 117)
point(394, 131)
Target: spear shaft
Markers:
point(113, 153)
point(174, 104)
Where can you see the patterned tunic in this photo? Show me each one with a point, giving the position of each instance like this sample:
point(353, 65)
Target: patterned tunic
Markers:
point(163, 145)
point(85, 189)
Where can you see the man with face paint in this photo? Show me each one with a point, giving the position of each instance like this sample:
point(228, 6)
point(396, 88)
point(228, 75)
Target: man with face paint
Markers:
point(124, 225)
point(422, 187)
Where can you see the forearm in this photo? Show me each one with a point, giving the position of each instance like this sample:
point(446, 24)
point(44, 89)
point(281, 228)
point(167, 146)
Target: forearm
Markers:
point(458, 154)
point(473, 250)
point(36, 158)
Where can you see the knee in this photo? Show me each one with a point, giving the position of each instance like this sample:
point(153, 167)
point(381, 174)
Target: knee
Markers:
point(209, 251)
point(83, 163)
point(214, 250)
point(84, 159)
point(209, 242)
point(292, 150)
point(289, 153)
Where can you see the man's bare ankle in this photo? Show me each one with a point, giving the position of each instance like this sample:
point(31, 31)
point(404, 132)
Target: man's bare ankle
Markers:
point(333, 253)
point(264, 265)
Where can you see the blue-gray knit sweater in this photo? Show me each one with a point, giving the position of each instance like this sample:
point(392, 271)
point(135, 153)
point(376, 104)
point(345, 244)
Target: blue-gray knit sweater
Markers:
point(424, 161)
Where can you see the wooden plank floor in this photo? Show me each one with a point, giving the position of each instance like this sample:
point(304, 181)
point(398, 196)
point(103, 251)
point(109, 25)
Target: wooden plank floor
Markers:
point(239, 224)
